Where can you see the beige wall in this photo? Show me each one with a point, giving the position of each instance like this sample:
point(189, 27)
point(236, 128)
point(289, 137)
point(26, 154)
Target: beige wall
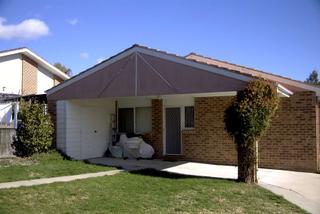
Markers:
point(291, 141)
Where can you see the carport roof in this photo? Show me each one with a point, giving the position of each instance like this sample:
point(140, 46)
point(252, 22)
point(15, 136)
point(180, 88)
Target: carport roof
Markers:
point(142, 71)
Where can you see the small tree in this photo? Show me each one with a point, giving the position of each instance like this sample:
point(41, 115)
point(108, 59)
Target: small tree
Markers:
point(63, 68)
point(313, 78)
point(35, 129)
point(246, 120)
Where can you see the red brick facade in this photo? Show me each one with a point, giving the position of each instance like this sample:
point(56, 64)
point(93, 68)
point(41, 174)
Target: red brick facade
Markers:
point(292, 141)
point(157, 127)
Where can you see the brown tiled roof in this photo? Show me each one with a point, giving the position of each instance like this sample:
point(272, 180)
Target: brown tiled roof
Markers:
point(292, 84)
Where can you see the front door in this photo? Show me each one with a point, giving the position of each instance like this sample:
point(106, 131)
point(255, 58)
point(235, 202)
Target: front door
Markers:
point(173, 131)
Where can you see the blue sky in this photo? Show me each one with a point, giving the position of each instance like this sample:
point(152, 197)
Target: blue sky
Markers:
point(278, 36)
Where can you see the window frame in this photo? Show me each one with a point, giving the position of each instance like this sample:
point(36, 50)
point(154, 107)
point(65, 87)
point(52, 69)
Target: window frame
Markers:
point(118, 117)
point(134, 117)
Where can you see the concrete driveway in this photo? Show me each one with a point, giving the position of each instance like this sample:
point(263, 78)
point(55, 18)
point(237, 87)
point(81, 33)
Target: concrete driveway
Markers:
point(302, 189)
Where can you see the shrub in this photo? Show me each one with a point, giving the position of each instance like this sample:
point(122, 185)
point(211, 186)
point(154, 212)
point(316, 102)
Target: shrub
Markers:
point(247, 119)
point(35, 129)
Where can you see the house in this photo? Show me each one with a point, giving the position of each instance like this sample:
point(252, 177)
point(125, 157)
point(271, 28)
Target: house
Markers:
point(24, 73)
point(177, 104)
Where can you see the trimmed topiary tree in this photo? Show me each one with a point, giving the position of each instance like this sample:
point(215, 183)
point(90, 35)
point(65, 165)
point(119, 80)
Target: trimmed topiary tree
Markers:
point(35, 129)
point(247, 119)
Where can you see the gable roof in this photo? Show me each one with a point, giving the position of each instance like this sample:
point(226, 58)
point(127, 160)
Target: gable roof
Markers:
point(293, 85)
point(25, 51)
point(141, 71)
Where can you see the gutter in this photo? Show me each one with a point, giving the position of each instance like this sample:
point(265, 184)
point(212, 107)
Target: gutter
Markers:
point(283, 90)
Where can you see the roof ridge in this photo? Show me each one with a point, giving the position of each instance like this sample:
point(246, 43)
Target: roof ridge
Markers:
point(36, 57)
point(13, 49)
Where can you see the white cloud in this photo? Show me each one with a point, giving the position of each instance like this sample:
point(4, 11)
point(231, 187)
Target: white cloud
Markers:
point(84, 55)
point(73, 21)
point(100, 59)
point(27, 29)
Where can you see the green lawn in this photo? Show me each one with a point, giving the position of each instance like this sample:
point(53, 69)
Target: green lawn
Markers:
point(42, 166)
point(144, 192)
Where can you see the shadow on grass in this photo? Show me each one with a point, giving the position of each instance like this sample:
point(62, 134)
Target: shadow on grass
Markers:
point(164, 174)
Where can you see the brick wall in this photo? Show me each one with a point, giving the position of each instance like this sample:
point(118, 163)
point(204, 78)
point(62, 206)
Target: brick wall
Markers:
point(290, 143)
point(209, 142)
point(29, 76)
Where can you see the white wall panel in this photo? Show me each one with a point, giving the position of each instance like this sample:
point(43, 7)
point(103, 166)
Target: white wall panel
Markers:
point(44, 80)
point(61, 126)
point(11, 74)
point(88, 128)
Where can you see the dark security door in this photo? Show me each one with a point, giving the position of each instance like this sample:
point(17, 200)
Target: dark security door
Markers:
point(173, 131)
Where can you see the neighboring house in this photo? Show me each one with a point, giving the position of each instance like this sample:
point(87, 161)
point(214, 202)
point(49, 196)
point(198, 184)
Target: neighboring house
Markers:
point(23, 73)
point(177, 104)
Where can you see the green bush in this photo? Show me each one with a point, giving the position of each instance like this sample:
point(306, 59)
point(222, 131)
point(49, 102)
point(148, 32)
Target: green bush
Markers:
point(247, 119)
point(35, 129)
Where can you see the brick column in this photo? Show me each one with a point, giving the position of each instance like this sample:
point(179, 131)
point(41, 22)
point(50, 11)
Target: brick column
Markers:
point(157, 127)
point(29, 76)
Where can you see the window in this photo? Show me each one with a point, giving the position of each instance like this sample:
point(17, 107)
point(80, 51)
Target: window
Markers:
point(126, 122)
point(143, 119)
point(189, 117)
point(138, 120)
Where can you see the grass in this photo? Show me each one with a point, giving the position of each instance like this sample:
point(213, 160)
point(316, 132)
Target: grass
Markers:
point(43, 166)
point(144, 192)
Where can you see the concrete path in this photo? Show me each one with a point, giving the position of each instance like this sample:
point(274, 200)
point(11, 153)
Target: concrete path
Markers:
point(302, 189)
point(40, 181)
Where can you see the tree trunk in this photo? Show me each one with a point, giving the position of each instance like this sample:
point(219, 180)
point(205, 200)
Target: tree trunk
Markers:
point(247, 162)
point(256, 161)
